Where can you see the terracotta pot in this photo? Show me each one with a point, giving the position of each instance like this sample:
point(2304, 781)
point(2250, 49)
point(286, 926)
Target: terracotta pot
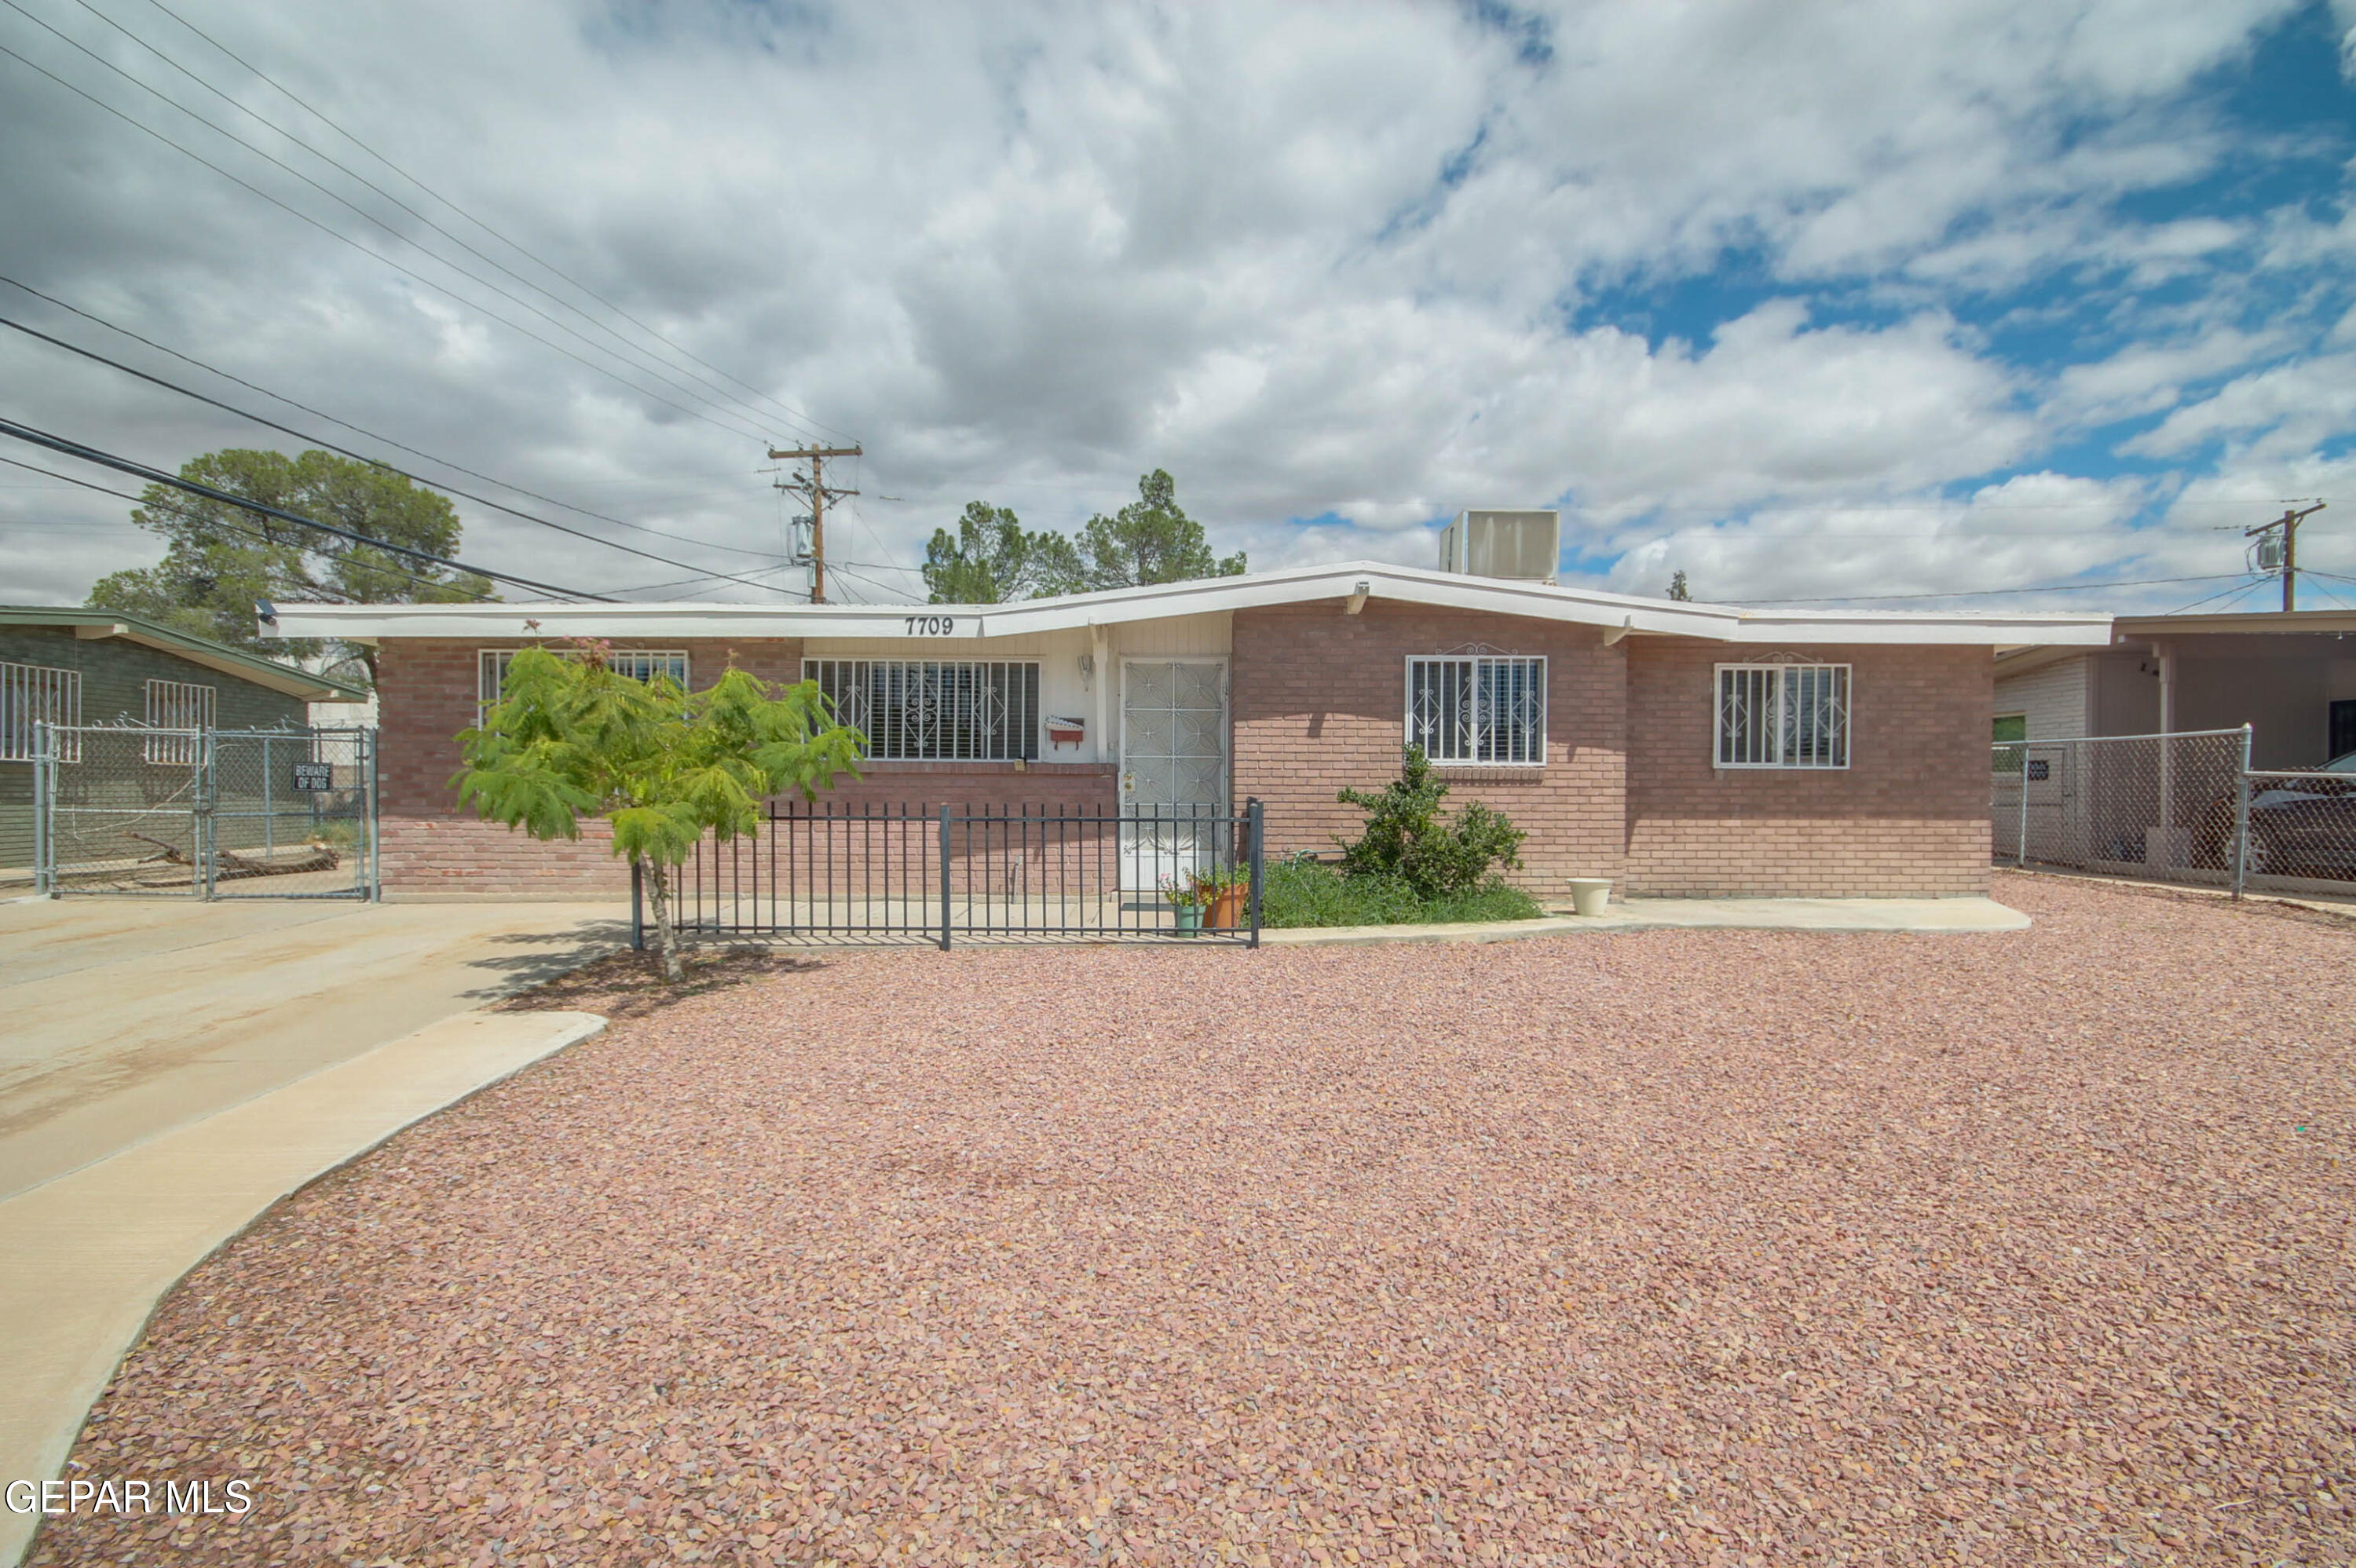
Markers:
point(1230, 910)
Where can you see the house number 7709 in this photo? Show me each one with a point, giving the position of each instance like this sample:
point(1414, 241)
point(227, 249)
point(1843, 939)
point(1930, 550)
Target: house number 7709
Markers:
point(931, 625)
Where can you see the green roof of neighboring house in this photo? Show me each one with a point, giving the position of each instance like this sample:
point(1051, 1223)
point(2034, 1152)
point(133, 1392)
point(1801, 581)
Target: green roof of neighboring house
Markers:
point(96, 624)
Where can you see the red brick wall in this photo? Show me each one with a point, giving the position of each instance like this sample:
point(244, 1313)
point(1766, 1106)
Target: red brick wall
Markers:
point(999, 856)
point(1909, 816)
point(430, 846)
point(1628, 789)
point(1320, 698)
point(425, 693)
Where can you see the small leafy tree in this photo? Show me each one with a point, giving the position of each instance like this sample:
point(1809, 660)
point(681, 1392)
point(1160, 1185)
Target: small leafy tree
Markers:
point(1677, 589)
point(1405, 837)
point(571, 737)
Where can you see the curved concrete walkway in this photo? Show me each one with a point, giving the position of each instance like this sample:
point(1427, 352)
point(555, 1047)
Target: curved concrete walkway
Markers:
point(89, 1254)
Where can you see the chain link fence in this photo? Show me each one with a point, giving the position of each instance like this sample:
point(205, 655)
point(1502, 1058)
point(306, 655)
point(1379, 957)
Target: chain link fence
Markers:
point(2302, 829)
point(127, 808)
point(2184, 807)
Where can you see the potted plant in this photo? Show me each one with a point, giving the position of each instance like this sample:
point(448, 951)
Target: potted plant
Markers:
point(1222, 892)
point(1184, 903)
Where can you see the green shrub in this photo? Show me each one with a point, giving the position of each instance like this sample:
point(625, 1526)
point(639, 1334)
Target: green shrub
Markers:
point(1300, 891)
point(1406, 838)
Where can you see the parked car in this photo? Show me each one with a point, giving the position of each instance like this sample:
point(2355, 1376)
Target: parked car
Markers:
point(2302, 825)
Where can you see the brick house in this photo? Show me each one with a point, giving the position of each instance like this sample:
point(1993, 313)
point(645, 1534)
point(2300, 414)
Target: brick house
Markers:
point(1680, 749)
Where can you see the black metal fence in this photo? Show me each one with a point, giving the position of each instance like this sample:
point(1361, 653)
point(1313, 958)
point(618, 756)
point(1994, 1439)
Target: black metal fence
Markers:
point(832, 872)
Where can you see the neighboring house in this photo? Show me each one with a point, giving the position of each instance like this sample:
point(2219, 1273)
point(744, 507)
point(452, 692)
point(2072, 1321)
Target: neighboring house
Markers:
point(101, 667)
point(1677, 748)
point(2292, 678)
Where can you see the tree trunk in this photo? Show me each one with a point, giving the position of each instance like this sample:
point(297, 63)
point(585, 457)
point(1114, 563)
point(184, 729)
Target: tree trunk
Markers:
point(657, 882)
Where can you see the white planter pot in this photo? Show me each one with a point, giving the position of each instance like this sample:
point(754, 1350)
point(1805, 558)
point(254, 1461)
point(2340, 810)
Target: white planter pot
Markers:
point(1589, 894)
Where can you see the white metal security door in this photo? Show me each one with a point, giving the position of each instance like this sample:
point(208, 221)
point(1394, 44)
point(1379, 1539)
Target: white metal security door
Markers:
point(1173, 766)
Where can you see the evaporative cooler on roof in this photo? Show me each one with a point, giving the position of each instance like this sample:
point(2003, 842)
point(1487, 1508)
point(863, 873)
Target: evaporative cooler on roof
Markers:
point(1525, 546)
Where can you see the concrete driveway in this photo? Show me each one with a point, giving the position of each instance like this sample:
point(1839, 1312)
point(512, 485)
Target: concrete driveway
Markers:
point(127, 1017)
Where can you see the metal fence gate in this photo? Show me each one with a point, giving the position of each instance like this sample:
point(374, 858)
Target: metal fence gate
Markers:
point(2182, 807)
point(823, 871)
point(205, 814)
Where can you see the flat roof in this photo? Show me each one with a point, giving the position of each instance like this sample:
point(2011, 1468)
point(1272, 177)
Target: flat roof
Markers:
point(1626, 612)
point(2243, 622)
point(2131, 631)
point(91, 625)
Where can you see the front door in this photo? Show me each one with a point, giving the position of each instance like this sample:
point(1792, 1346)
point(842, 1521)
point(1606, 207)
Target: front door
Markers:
point(1173, 766)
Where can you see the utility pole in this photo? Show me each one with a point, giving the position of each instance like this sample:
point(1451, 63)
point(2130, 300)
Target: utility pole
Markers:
point(2288, 523)
point(813, 490)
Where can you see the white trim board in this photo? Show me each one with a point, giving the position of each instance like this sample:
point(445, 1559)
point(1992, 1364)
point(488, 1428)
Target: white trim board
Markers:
point(896, 624)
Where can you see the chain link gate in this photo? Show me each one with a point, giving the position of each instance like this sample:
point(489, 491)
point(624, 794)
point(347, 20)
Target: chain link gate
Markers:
point(2180, 808)
point(205, 814)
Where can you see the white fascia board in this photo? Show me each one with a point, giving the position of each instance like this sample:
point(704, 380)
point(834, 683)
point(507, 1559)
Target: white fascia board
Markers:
point(1622, 612)
point(1981, 631)
point(510, 623)
point(1309, 584)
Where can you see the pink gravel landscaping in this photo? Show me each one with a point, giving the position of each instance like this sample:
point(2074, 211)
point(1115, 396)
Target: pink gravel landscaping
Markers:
point(1675, 1247)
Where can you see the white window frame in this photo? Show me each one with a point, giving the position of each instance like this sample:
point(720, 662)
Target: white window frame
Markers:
point(640, 663)
point(1013, 736)
point(1481, 733)
point(37, 694)
point(1777, 749)
point(187, 709)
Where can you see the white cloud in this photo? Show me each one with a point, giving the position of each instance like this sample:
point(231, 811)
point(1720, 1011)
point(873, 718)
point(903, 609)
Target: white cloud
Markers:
point(1321, 259)
point(2277, 414)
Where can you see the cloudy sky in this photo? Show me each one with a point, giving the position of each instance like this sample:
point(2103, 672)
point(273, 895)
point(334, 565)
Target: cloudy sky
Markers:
point(1804, 298)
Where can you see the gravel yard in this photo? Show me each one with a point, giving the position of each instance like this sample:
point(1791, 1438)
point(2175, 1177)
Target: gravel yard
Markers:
point(1667, 1248)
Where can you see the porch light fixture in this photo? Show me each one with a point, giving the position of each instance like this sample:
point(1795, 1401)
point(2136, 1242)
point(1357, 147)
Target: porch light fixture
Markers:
point(1358, 596)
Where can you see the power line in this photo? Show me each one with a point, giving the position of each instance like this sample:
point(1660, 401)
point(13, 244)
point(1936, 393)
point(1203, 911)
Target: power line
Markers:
point(2234, 592)
point(706, 577)
point(377, 255)
point(728, 397)
point(869, 582)
point(786, 410)
point(363, 429)
point(1987, 592)
point(223, 523)
point(488, 261)
point(365, 216)
point(348, 452)
point(158, 476)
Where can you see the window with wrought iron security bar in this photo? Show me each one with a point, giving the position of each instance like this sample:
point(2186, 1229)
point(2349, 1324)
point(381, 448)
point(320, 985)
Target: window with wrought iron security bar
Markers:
point(638, 664)
point(1782, 716)
point(1477, 709)
point(936, 709)
point(177, 705)
point(33, 694)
